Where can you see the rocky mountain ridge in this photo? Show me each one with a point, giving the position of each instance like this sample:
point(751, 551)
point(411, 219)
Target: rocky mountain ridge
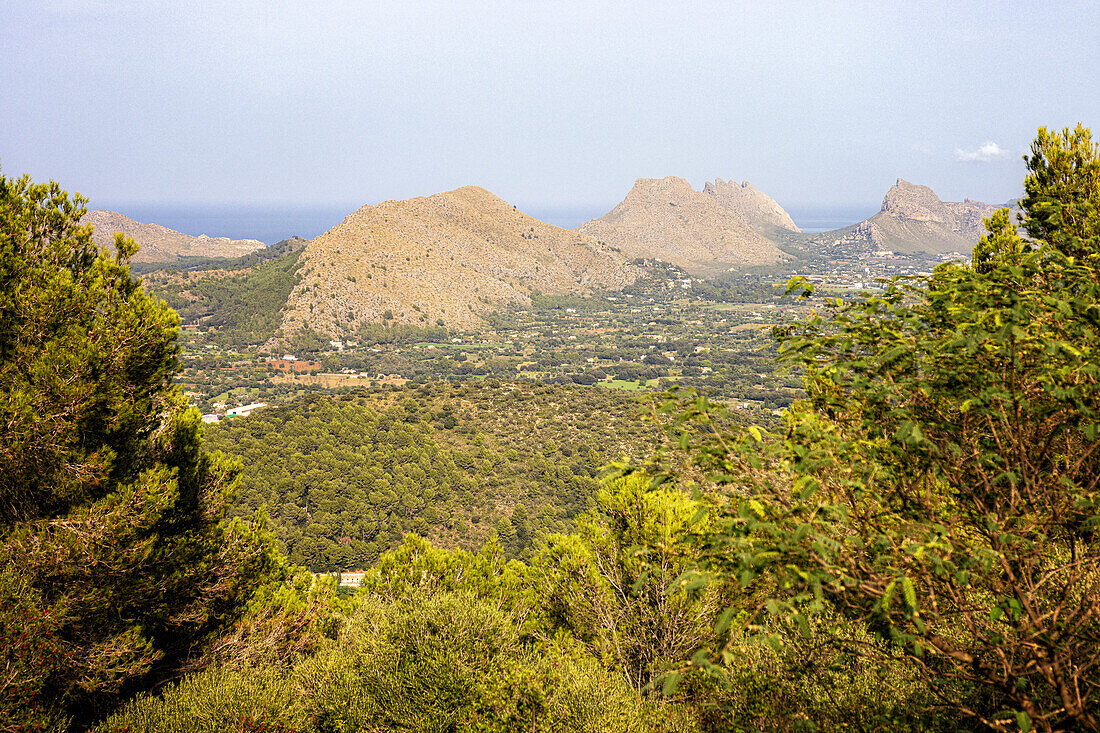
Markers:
point(913, 219)
point(161, 244)
point(754, 207)
point(701, 231)
point(453, 258)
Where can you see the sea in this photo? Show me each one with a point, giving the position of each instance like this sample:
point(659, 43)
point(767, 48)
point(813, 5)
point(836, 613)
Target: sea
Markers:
point(270, 223)
point(813, 219)
point(267, 223)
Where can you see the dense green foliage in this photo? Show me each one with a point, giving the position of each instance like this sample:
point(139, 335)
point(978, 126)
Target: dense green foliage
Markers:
point(114, 562)
point(609, 584)
point(1062, 188)
point(441, 663)
point(237, 309)
point(345, 477)
point(451, 640)
point(942, 481)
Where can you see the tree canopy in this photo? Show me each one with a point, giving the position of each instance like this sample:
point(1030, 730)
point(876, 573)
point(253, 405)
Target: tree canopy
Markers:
point(114, 562)
point(344, 477)
point(941, 482)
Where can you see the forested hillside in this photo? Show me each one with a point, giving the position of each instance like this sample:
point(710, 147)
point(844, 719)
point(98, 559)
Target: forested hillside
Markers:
point(237, 308)
point(345, 477)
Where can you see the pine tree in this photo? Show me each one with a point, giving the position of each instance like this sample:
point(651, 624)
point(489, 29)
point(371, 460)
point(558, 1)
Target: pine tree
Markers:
point(1062, 201)
point(115, 561)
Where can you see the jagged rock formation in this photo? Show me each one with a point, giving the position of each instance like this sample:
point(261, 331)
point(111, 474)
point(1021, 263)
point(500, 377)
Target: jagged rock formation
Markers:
point(161, 244)
point(914, 219)
point(448, 258)
point(755, 208)
point(702, 232)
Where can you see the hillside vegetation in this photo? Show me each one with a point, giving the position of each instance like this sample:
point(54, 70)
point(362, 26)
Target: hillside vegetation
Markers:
point(236, 308)
point(345, 477)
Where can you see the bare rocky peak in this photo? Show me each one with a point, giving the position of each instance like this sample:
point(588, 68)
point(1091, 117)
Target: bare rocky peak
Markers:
point(914, 219)
point(447, 258)
point(666, 219)
point(757, 208)
point(911, 201)
point(161, 244)
point(670, 190)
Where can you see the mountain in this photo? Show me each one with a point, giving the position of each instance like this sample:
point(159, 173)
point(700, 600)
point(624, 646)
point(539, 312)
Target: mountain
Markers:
point(701, 231)
point(913, 219)
point(445, 259)
point(161, 244)
point(755, 208)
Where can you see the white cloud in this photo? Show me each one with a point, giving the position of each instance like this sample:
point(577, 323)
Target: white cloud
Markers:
point(986, 153)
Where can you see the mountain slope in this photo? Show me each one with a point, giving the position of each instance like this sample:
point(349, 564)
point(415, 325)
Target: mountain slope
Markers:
point(161, 244)
point(755, 208)
point(666, 219)
point(914, 220)
point(238, 307)
point(443, 259)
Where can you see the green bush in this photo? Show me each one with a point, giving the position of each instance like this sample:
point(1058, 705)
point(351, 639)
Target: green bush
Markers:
point(442, 662)
point(215, 701)
point(113, 540)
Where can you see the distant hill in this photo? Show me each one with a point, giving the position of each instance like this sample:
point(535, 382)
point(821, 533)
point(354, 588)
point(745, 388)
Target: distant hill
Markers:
point(253, 259)
point(913, 219)
point(446, 260)
point(221, 266)
point(701, 231)
point(161, 244)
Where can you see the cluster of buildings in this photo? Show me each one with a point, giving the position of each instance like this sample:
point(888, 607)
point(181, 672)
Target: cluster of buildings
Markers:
point(238, 411)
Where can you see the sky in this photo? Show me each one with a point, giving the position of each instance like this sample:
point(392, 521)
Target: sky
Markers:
point(555, 106)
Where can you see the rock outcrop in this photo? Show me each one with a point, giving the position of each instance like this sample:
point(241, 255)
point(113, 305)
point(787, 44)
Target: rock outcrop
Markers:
point(161, 244)
point(444, 259)
point(914, 219)
point(757, 209)
point(702, 232)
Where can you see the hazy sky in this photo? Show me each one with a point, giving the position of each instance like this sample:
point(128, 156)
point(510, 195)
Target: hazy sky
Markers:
point(547, 104)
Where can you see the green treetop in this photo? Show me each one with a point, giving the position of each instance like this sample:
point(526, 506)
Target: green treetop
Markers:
point(941, 483)
point(114, 561)
point(1062, 201)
